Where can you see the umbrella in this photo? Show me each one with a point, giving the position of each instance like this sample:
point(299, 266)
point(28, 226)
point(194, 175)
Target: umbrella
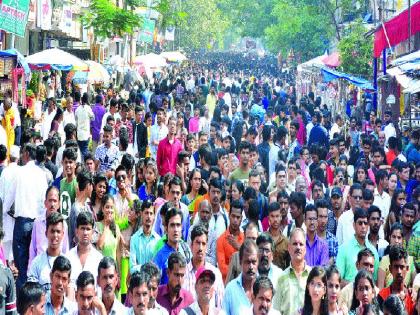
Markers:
point(150, 60)
point(96, 74)
point(332, 61)
point(116, 60)
point(56, 59)
point(174, 56)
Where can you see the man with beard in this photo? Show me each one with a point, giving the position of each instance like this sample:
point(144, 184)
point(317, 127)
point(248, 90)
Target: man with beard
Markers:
point(153, 284)
point(399, 267)
point(168, 149)
point(277, 219)
point(374, 220)
point(204, 216)
point(39, 270)
point(56, 300)
point(290, 288)
point(88, 302)
point(265, 258)
point(239, 291)
point(262, 297)
point(171, 295)
point(205, 289)
point(322, 207)
point(108, 281)
point(198, 248)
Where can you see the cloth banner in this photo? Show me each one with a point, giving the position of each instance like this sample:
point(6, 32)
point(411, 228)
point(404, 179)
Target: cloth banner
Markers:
point(170, 34)
point(148, 31)
point(396, 30)
point(13, 16)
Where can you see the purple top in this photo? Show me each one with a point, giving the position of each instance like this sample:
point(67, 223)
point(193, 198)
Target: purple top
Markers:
point(317, 253)
point(75, 105)
point(99, 112)
point(39, 241)
point(185, 299)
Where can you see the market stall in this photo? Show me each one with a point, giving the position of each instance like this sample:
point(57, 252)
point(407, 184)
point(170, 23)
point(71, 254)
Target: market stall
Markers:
point(174, 56)
point(147, 64)
point(14, 72)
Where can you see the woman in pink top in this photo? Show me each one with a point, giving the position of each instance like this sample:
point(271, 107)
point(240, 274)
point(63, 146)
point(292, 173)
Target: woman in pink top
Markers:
point(194, 121)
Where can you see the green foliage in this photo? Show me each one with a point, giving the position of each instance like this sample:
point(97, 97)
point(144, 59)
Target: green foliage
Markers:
point(34, 83)
point(356, 51)
point(298, 27)
point(108, 20)
point(204, 26)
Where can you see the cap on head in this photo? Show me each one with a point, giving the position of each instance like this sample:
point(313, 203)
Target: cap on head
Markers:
point(202, 271)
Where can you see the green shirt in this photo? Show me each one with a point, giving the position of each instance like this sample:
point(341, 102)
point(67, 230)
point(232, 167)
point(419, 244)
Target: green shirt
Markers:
point(67, 195)
point(347, 257)
point(238, 174)
point(290, 291)
point(109, 248)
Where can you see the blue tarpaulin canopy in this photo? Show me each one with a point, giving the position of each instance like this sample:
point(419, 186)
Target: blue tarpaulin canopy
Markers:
point(21, 60)
point(330, 75)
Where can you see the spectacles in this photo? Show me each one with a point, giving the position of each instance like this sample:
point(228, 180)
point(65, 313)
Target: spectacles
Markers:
point(264, 250)
point(316, 285)
point(358, 197)
point(360, 223)
point(121, 178)
point(312, 219)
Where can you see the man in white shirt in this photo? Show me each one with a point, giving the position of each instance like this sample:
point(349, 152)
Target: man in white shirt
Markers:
point(108, 281)
point(48, 117)
point(381, 198)
point(28, 194)
point(84, 257)
point(389, 128)
point(158, 131)
point(345, 229)
point(83, 115)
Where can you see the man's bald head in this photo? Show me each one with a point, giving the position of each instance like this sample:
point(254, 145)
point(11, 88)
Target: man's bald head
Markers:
point(204, 211)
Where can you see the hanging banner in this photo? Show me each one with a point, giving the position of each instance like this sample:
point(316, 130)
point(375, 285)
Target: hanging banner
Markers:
point(66, 20)
point(13, 16)
point(44, 14)
point(147, 31)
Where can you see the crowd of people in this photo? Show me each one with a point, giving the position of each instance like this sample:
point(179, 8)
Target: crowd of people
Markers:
point(209, 189)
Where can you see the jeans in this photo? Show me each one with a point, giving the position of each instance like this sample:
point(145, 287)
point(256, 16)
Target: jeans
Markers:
point(18, 135)
point(83, 145)
point(21, 240)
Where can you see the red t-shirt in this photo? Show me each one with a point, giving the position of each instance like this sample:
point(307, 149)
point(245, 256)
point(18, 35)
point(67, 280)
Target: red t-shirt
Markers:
point(408, 301)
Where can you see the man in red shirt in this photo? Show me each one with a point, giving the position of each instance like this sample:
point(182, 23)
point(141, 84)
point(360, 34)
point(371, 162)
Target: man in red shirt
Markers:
point(168, 149)
point(399, 267)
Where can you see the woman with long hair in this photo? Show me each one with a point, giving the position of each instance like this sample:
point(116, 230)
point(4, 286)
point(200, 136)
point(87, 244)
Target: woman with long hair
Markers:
point(360, 173)
point(163, 190)
point(363, 294)
point(315, 302)
point(194, 188)
point(100, 183)
point(148, 190)
point(398, 200)
point(392, 184)
point(393, 306)
point(333, 291)
point(110, 236)
point(139, 174)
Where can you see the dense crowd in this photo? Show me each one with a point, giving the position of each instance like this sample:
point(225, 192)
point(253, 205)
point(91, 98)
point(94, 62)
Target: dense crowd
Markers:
point(208, 189)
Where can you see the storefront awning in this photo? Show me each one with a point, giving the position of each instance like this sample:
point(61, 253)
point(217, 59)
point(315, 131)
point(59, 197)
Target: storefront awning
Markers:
point(330, 75)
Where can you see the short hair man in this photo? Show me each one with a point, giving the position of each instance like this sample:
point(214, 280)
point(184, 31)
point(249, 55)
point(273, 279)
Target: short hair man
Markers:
point(322, 207)
point(153, 284)
point(347, 252)
point(262, 297)
point(60, 279)
point(108, 280)
point(265, 258)
point(171, 295)
point(277, 219)
point(289, 285)
point(87, 300)
point(31, 299)
point(139, 293)
point(236, 300)
point(40, 269)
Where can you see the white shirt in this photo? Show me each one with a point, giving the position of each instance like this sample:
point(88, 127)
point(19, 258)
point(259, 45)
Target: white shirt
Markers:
point(68, 117)
point(157, 133)
point(92, 262)
point(46, 124)
point(83, 116)
point(197, 311)
point(218, 222)
point(28, 192)
point(389, 131)
point(345, 229)
point(383, 202)
point(105, 117)
point(7, 194)
point(272, 311)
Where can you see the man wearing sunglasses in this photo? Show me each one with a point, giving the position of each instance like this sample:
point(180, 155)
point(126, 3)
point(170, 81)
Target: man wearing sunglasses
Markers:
point(347, 252)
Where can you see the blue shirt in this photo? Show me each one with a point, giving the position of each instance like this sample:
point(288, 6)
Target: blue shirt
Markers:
point(68, 307)
point(142, 193)
point(161, 258)
point(235, 301)
point(141, 247)
point(185, 222)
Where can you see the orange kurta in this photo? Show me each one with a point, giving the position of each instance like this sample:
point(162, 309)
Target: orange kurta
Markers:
point(225, 251)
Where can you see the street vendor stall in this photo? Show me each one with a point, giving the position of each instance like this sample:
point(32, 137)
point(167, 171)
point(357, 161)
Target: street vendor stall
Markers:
point(174, 56)
point(14, 72)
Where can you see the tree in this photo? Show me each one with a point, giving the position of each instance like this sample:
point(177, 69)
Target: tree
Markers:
point(298, 27)
point(108, 20)
point(204, 26)
point(356, 51)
